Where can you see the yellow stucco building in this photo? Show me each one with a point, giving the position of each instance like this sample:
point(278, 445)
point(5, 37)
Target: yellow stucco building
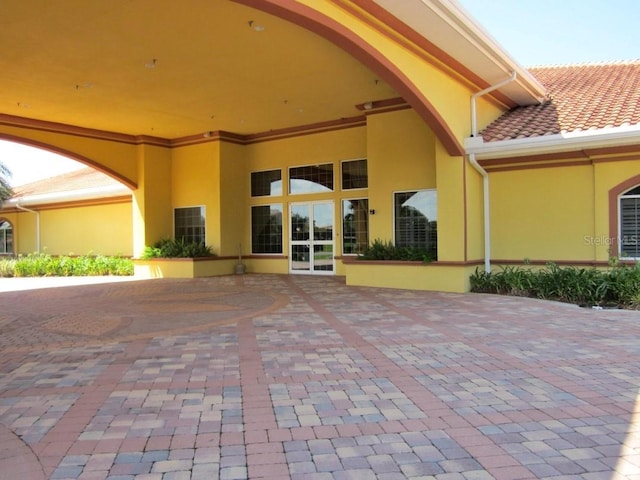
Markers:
point(82, 212)
point(297, 132)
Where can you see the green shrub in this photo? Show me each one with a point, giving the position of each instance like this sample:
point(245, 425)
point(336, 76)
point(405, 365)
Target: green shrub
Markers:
point(617, 286)
point(383, 250)
point(624, 285)
point(7, 267)
point(45, 265)
point(167, 248)
point(34, 265)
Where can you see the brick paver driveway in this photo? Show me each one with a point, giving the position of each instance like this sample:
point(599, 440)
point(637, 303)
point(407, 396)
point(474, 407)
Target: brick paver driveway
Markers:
point(295, 377)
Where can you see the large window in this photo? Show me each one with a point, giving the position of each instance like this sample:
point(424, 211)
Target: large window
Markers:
point(354, 174)
point(6, 237)
point(630, 224)
point(266, 184)
point(311, 179)
point(266, 229)
point(355, 226)
point(416, 222)
point(189, 224)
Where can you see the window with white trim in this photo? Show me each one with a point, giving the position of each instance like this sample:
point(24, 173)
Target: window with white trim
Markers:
point(629, 236)
point(6, 238)
point(311, 179)
point(189, 224)
point(416, 220)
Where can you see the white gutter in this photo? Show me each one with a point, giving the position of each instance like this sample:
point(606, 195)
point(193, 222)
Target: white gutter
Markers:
point(482, 171)
point(561, 142)
point(489, 89)
point(20, 207)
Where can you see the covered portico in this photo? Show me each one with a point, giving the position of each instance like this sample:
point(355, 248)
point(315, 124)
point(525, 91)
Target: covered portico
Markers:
point(182, 105)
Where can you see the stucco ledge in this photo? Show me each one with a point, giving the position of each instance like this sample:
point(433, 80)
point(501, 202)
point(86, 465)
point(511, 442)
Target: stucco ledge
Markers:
point(184, 267)
point(408, 275)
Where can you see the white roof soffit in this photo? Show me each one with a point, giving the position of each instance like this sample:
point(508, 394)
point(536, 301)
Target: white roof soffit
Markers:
point(69, 196)
point(448, 26)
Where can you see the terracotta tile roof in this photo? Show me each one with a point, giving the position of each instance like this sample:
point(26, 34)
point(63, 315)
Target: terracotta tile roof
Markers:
point(580, 97)
point(84, 178)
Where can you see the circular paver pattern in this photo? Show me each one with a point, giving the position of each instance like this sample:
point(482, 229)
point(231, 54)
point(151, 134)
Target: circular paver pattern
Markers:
point(118, 311)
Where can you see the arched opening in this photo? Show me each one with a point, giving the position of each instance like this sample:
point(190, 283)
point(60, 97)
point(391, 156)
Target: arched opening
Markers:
point(365, 53)
point(61, 205)
point(29, 163)
point(29, 160)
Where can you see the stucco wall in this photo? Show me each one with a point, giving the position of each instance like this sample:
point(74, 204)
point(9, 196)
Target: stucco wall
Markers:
point(86, 230)
point(399, 148)
point(557, 213)
point(401, 153)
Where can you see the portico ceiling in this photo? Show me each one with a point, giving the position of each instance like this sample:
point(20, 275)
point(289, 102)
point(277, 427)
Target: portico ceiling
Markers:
point(173, 69)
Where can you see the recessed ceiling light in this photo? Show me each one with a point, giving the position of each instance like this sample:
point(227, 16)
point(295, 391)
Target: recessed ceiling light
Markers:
point(255, 26)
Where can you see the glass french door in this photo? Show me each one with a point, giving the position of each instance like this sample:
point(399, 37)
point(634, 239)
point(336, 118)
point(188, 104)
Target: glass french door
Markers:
point(311, 238)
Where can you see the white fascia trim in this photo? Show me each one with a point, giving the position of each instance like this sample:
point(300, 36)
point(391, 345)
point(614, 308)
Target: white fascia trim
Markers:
point(562, 142)
point(484, 42)
point(74, 195)
point(440, 21)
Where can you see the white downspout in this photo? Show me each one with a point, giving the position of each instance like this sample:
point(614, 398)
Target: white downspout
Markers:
point(482, 171)
point(20, 207)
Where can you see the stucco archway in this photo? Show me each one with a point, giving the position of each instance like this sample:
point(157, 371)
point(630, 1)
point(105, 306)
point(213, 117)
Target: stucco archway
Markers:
point(344, 37)
point(71, 155)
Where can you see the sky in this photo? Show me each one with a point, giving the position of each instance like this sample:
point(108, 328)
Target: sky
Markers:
point(560, 32)
point(29, 164)
point(533, 32)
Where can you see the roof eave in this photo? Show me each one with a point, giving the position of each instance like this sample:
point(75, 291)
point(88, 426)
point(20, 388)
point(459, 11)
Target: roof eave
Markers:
point(557, 143)
point(69, 196)
point(448, 26)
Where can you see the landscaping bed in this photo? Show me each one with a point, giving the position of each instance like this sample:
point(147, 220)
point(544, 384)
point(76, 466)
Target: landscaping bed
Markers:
point(615, 287)
point(44, 265)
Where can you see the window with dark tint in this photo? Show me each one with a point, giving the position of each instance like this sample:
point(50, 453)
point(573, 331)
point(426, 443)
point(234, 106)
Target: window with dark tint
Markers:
point(266, 229)
point(266, 184)
point(189, 224)
point(354, 174)
point(311, 179)
point(355, 226)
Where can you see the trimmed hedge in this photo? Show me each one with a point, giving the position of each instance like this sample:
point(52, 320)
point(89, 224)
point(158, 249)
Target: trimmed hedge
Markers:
point(44, 265)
